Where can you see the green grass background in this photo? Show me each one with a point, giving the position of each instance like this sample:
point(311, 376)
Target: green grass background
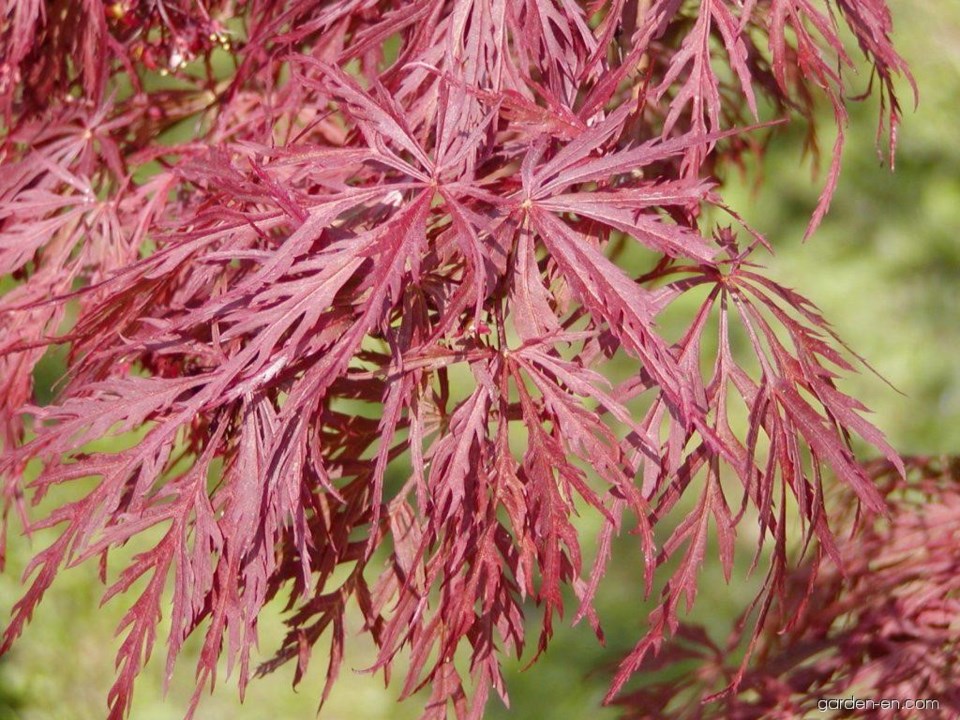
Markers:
point(884, 268)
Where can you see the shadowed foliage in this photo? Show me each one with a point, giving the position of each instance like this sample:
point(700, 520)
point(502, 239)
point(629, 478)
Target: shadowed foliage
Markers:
point(883, 628)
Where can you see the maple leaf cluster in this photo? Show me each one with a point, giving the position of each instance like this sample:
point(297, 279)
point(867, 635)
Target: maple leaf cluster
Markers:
point(352, 276)
point(881, 626)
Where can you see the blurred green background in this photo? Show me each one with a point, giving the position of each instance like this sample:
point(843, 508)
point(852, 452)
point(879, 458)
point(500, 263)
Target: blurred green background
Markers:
point(885, 270)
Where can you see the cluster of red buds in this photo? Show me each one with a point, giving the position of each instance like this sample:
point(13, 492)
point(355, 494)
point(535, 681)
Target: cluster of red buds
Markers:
point(160, 37)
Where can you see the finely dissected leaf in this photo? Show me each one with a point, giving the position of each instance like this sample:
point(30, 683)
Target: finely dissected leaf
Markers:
point(338, 284)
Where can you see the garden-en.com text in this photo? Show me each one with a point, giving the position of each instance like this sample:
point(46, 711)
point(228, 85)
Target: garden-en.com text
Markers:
point(855, 703)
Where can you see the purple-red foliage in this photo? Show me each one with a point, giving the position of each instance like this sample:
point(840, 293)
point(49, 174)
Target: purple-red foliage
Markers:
point(886, 626)
point(256, 224)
